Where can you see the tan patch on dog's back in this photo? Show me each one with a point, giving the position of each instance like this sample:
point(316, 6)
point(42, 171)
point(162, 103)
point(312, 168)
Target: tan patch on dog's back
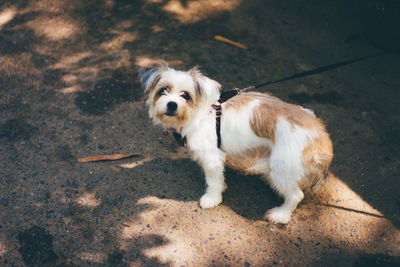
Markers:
point(265, 115)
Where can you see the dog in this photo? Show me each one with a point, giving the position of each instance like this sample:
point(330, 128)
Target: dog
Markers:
point(257, 133)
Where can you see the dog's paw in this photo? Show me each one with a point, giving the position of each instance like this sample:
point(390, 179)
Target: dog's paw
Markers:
point(208, 201)
point(278, 215)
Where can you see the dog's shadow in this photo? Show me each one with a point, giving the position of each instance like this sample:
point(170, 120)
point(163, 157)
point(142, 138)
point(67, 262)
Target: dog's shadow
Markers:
point(183, 180)
point(248, 195)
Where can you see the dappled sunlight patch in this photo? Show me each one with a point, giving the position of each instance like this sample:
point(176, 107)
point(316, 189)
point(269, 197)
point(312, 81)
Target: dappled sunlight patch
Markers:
point(145, 62)
point(86, 74)
point(154, 1)
point(109, 3)
point(76, 74)
point(125, 24)
point(53, 6)
point(38, 204)
point(55, 28)
point(89, 200)
point(191, 232)
point(114, 59)
point(154, 222)
point(3, 248)
point(120, 39)
point(7, 15)
point(157, 28)
point(342, 215)
point(71, 89)
point(336, 193)
point(60, 196)
point(69, 61)
point(94, 257)
point(177, 249)
point(197, 10)
point(67, 220)
point(69, 78)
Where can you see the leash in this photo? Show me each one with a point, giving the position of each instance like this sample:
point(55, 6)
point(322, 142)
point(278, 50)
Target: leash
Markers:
point(312, 72)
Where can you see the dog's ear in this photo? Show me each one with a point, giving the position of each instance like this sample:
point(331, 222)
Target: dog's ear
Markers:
point(149, 77)
point(206, 87)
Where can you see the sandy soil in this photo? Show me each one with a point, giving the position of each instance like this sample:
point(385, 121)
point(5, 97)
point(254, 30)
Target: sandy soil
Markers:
point(68, 89)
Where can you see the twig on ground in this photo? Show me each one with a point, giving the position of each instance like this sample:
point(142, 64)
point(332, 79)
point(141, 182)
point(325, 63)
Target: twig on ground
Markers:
point(105, 157)
point(226, 40)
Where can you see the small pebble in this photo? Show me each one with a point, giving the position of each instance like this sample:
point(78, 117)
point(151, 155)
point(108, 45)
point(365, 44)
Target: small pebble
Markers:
point(364, 115)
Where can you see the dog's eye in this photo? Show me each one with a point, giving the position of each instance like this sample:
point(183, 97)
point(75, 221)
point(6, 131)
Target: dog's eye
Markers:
point(186, 96)
point(162, 91)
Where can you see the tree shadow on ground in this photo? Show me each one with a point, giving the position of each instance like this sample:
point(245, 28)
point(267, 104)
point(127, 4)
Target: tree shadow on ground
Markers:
point(106, 93)
point(95, 61)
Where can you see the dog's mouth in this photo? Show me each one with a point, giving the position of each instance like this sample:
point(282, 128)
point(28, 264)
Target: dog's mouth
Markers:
point(170, 113)
point(172, 118)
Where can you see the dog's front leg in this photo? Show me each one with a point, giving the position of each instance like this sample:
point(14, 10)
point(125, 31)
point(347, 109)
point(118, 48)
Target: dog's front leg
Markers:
point(213, 167)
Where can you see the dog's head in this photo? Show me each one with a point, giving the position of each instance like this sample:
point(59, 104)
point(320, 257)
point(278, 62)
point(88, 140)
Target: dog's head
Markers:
point(174, 96)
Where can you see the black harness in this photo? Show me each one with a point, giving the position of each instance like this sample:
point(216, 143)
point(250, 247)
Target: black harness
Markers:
point(218, 113)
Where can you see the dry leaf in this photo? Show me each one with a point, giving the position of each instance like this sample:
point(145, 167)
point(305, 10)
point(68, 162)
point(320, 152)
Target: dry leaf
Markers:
point(226, 40)
point(105, 157)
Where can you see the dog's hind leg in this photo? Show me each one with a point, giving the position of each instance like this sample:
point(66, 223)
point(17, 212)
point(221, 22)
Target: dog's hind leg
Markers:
point(284, 184)
point(287, 170)
point(283, 213)
point(285, 175)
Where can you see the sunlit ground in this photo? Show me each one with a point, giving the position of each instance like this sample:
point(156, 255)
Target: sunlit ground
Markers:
point(337, 215)
point(194, 11)
point(59, 57)
point(6, 16)
point(3, 249)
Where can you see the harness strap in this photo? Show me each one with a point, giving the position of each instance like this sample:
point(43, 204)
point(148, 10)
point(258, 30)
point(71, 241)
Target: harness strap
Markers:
point(179, 139)
point(218, 111)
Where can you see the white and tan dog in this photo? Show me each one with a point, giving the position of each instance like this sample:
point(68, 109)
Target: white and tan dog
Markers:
point(260, 134)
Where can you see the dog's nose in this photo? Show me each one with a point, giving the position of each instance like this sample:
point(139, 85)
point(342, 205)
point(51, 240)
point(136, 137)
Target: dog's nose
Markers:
point(172, 106)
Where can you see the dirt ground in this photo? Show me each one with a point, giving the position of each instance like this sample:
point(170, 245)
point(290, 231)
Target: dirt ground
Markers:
point(69, 89)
